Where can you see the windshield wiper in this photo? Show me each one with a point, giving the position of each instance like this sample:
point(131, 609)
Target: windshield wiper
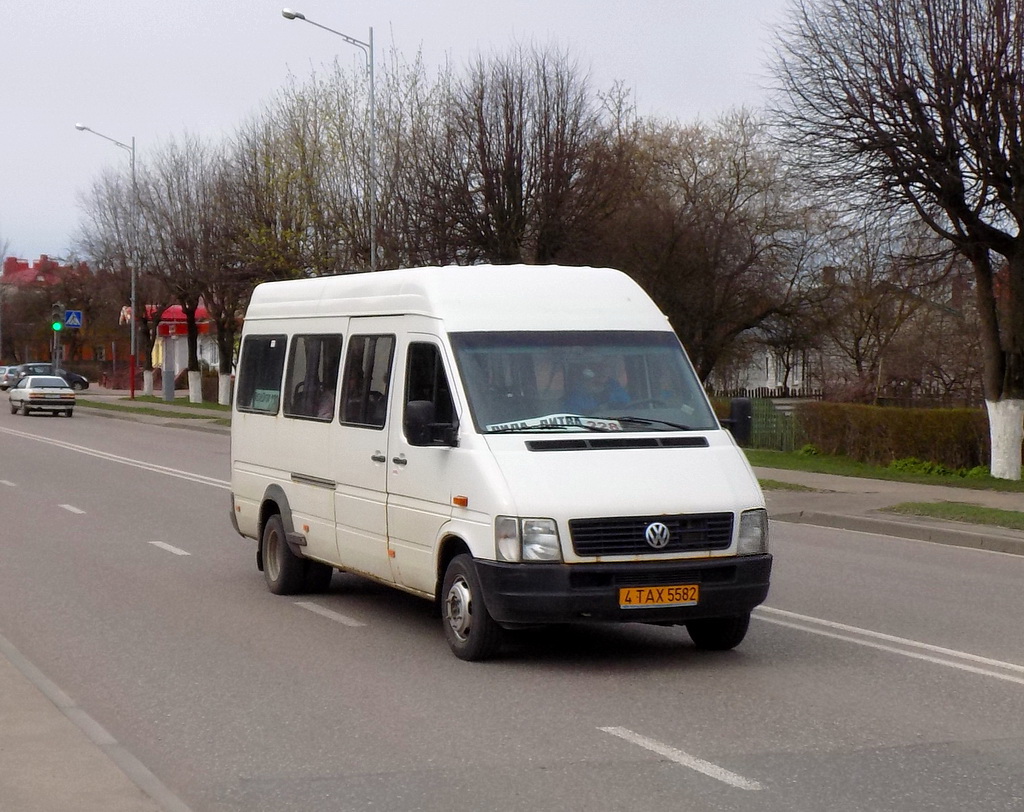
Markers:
point(644, 421)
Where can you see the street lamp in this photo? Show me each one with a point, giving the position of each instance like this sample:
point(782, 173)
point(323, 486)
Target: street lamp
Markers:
point(135, 199)
point(367, 49)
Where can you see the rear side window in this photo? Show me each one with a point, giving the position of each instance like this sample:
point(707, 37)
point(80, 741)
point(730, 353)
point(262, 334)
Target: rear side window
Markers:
point(259, 374)
point(364, 397)
point(311, 386)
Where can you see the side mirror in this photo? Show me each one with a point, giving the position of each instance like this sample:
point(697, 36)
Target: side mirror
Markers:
point(421, 429)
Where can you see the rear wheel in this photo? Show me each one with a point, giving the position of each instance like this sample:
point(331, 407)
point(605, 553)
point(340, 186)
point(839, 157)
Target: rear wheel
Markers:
point(285, 572)
point(718, 633)
point(469, 628)
point(69, 412)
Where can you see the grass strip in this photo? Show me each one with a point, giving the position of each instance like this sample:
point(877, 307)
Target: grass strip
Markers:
point(184, 415)
point(183, 402)
point(962, 512)
point(844, 466)
point(776, 485)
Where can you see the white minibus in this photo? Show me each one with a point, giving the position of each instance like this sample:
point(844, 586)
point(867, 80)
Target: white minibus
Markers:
point(521, 445)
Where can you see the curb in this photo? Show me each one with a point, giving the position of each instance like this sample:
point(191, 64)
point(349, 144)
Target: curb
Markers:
point(944, 534)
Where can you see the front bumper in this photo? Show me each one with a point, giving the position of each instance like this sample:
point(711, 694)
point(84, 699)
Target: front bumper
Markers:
point(559, 593)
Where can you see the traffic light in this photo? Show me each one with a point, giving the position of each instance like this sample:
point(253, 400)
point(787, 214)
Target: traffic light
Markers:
point(57, 317)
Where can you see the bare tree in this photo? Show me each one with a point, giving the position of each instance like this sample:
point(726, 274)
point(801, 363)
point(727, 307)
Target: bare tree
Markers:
point(176, 195)
point(114, 236)
point(919, 105)
point(712, 226)
point(526, 188)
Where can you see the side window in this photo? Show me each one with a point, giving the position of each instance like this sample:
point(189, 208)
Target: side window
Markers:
point(428, 396)
point(311, 384)
point(259, 374)
point(364, 395)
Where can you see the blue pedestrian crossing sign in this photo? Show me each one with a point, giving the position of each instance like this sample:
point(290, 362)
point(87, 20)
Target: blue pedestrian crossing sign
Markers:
point(72, 318)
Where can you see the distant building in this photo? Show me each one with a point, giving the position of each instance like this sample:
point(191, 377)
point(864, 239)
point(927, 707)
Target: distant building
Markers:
point(44, 272)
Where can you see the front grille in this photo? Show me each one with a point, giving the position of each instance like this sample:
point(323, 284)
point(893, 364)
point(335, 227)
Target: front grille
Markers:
point(625, 535)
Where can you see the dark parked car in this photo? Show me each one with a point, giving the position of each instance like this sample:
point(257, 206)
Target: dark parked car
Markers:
point(75, 381)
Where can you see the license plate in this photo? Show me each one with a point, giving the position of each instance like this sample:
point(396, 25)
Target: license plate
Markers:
point(637, 597)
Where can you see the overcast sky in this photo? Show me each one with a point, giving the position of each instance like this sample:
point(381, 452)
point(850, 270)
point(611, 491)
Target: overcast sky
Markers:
point(155, 69)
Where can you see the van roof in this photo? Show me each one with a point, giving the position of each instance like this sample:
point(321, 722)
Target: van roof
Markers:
point(471, 298)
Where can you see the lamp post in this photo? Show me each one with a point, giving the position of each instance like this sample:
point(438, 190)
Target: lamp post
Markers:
point(135, 198)
point(367, 49)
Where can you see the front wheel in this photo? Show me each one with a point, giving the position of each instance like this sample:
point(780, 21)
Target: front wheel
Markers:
point(469, 628)
point(14, 408)
point(718, 633)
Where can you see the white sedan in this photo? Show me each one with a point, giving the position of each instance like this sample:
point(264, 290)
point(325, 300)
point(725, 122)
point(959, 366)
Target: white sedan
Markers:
point(44, 393)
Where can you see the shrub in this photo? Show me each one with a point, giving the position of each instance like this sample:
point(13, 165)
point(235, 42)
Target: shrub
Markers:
point(952, 438)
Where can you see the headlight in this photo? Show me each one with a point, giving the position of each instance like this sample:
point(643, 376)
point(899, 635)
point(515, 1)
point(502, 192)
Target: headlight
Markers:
point(518, 539)
point(753, 538)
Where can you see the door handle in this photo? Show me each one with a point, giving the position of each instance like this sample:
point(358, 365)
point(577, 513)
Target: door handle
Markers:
point(400, 460)
point(378, 458)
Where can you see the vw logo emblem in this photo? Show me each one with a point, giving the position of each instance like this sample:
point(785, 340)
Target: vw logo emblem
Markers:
point(657, 535)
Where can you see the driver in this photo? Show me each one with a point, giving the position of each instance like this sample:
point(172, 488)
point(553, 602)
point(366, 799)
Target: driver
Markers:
point(594, 387)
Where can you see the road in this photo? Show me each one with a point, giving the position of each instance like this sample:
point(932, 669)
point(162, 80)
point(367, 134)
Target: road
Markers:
point(882, 674)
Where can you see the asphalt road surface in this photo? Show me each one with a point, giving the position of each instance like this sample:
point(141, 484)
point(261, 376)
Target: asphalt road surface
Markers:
point(882, 674)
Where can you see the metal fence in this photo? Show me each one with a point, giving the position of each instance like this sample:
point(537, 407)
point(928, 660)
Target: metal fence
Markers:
point(775, 426)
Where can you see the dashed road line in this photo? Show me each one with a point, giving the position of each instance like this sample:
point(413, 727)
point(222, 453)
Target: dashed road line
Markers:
point(72, 509)
point(169, 548)
point(345, 620)
point(684, 759)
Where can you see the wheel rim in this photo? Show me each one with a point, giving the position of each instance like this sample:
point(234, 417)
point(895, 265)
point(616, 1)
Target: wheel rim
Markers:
point(270, 559)
point(458, 608)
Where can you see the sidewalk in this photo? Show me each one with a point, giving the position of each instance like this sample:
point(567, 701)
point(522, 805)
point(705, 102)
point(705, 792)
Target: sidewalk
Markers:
point(852, 503)
point(53, 757)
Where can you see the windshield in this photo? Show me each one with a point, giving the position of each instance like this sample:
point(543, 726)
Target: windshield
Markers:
point(580, 381)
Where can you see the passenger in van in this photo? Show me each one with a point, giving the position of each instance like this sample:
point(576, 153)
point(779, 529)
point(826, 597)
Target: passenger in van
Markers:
point(325, 404)
point(593, 387)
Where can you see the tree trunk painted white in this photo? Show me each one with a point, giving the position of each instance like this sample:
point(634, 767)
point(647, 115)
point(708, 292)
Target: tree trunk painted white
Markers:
point(195, 387)
point(1006, 432)
point(147, 382)
point(224, 388)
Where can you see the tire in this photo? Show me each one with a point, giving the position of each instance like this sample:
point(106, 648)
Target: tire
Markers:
point(14, 408)
point(78, 386)
point(718, 633)
point(284, 572)
point(469, 628)
point(69, 412)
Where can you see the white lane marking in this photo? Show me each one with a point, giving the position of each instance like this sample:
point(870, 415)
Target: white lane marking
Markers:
point(8, 483)
point(169, 548)
point(335, 616)
point(684, 759)
point(949, 657)
point(103, 455)
point(71, 509)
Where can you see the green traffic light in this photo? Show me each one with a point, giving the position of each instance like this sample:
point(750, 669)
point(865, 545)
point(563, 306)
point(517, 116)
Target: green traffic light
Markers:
point(57, 326)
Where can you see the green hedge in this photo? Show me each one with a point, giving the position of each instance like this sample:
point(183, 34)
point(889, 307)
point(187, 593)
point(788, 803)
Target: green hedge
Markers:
point(880, 435)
